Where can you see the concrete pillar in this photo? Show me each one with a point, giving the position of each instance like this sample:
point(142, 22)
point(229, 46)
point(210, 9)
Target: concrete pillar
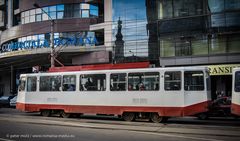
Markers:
point(108, 22)
point(10, 14)
point(13, 89)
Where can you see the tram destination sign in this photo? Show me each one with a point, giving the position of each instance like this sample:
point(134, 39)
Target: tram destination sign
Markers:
point(33, 44)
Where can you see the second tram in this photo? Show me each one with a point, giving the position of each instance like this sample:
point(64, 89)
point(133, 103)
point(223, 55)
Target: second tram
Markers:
point(235, 106)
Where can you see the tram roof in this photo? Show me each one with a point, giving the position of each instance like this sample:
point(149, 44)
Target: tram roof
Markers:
point(120, 71)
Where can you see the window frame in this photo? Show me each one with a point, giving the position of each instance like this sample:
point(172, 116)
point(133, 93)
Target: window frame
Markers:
point(20, 84)
point(235, 82)
point(171, 81)
point(51, 90)
point(75, 83)
point(28, 83)
point(143, 81)
point(84, 88)
point(118, 82)
point(193, 87)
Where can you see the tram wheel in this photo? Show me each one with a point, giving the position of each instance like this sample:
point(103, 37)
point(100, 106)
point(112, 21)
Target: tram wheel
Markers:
point(46, 113)
point(156, 118)
point(65, 115)
point(127, 116)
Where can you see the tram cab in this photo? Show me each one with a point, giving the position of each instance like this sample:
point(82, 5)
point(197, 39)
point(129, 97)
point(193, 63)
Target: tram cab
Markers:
point(235, 106)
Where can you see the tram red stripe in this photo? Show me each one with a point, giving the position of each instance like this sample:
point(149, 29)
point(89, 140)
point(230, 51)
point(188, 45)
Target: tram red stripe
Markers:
point(235, 109)
point(164, 111)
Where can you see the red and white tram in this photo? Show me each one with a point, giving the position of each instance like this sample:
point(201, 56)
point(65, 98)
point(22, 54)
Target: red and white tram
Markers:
point(235, 106)
point(155, 93)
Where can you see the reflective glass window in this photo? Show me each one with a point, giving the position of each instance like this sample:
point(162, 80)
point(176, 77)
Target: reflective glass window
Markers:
point(167, 47)
point(60, 7)
point(172, 81)
point(93, 82)
point(193, 81)
point(216, 5)
point(233, 43)
point(118, 82)
point(146, 81)
point(26, 14)
point(31, 84)
point(39, 17)
point(44, 17)
point(84, 6)
point(45, 9)
point(199, 46)
point(32, 18)
point(50, 83)
point(53, 15)
point(26, 20)
point(237, 81)
point(85, 13)
point(32, 12)
point(22, 14)
point(217, 45)
point(59, 15)
point(69, 83)
point(59, 12)
point(93, 11)
point(23, 20)
point(38, 11)
point(22, 84)
point(52, 8)
point(77, 14)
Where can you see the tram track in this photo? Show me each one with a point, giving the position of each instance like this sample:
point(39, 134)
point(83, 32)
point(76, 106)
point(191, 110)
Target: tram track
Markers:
point(210, 130)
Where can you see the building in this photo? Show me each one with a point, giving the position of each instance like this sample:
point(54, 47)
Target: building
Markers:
point(81, 36)
point(198, 33)
point(166, 33)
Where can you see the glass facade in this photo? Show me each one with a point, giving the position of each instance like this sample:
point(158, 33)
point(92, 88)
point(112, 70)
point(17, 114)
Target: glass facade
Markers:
point(132, 13)
point(62, 11)
point(195, 28)
point(199, 45)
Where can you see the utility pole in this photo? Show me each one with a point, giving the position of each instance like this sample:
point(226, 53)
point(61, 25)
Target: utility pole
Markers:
point(52, 55)
point(52, 45)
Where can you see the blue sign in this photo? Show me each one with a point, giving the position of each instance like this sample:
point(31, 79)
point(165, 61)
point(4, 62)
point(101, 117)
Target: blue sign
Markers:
point(31, 44)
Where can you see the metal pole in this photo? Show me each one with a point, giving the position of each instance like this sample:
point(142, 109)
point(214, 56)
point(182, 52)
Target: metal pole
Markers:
point(52, 45)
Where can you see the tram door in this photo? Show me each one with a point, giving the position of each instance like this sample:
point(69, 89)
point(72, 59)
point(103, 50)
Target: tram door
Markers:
point(221, 86)
point(194, 87)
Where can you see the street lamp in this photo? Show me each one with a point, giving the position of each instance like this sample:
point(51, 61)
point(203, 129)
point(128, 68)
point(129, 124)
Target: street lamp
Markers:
point(52, 35)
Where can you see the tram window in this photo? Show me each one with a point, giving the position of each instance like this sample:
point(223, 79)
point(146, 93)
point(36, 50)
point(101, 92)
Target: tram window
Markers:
point(22, 84)
point(118, 82)
point(93, 82)
point(172, 81)
point(69, 83)
point(146, 81)
point(31, 84)
point(193, 81)
point(237, 81)
point(50, 83)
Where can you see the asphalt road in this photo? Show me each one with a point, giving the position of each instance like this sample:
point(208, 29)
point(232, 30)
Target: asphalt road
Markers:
point(18, 126)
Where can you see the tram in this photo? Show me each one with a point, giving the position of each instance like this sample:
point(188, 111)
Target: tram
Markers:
point(152, 93)
point(235, 106)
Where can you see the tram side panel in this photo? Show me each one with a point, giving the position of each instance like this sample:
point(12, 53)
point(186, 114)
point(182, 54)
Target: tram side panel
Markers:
point(166, 102)
point(197, 94)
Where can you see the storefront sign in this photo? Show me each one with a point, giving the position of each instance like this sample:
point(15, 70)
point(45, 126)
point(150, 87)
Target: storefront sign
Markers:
point(222, 69)
point(14, 46)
